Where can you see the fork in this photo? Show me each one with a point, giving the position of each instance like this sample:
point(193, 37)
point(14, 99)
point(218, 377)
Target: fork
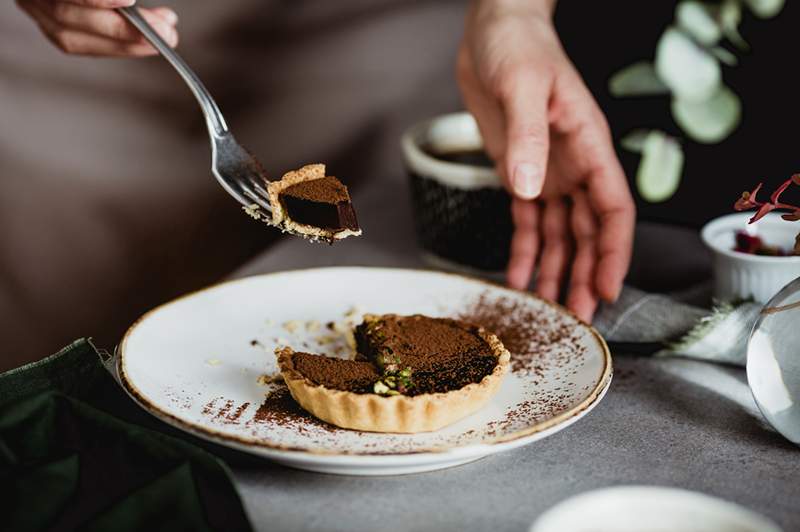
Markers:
point(239, 173)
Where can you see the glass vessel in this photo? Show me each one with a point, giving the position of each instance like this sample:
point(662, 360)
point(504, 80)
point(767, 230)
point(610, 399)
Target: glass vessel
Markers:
point(773, 361)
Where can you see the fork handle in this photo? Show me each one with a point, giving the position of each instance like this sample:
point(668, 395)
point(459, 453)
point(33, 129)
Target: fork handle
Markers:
point(212, 113)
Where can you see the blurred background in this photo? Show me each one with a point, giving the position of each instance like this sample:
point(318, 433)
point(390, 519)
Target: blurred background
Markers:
point(107, 204)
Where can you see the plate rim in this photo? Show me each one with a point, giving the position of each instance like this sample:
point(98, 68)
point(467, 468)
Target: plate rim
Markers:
point(587, 404)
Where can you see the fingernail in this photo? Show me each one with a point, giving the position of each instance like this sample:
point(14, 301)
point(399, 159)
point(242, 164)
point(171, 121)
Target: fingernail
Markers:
point(527, 180)
point(170, 16)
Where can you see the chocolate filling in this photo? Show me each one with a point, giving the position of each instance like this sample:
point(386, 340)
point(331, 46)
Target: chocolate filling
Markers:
point(336, 373)
point(323, 203)
point(413, 355)
point(443, 354)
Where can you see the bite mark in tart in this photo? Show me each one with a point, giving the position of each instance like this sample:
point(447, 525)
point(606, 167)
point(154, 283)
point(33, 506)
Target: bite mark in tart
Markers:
point(309, 203)
point(412, 374)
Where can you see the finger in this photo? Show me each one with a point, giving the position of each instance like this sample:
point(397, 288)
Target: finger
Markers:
point(615, 244)
point(592, 150)
point(525, 98)
point(108, 23)
point(524, 243)
point(485, 109)
point(80, 43)
point(582, 299)
point(615, 210)
point(556, 249)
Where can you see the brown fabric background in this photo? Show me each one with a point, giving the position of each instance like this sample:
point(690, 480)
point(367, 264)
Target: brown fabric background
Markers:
point(107, 205)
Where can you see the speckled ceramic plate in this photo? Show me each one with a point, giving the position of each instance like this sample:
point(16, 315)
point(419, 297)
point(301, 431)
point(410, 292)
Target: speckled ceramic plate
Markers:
point(205, 364)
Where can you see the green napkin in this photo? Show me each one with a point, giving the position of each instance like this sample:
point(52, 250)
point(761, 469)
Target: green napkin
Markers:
point(75, 454)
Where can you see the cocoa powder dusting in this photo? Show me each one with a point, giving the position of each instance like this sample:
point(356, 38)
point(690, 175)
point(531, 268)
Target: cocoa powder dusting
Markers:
point(280, 408)
point(527, 333)
point(327, 189)
point(227, 413)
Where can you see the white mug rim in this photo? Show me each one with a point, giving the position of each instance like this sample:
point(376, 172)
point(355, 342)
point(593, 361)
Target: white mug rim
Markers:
point(457, 175)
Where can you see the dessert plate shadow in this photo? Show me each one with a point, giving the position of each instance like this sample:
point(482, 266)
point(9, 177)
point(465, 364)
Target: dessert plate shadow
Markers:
point(205, 364)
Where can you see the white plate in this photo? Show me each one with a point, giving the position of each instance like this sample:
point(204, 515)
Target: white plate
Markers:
point(649, 509)
point(193, 364)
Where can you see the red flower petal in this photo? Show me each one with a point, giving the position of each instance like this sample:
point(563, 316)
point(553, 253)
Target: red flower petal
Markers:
point(762, 211)
point(777, 193)
point(755, 191)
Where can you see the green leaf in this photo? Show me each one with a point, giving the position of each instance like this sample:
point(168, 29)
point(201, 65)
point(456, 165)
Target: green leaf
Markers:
point(710, 121)
point(724, 55)
point(660, 169)
point(634, 140)
point(697, 19)
point(765, 8)
point(730, 16)
point(638, 79)
point(687, 69)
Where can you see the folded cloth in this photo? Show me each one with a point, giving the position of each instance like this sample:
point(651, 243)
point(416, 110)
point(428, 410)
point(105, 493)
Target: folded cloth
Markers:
point(67, 463)
point(678, 328)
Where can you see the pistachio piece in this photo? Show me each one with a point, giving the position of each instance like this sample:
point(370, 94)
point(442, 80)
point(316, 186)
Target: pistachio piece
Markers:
point(380, 388)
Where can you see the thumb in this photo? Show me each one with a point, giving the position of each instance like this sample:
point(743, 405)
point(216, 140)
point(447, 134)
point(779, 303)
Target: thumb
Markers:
point(528, 136)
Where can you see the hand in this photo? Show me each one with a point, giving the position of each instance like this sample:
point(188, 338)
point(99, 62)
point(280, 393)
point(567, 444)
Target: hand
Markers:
point(552, 146)
point(92, 27)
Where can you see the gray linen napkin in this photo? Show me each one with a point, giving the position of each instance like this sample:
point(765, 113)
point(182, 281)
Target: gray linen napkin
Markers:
point(679, 322)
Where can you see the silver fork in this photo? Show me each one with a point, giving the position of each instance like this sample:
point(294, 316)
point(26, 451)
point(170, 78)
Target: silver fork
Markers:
point(239, 173)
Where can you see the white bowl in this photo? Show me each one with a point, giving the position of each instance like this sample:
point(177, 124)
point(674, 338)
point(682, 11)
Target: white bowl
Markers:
point(649, 509)
point(742, 275)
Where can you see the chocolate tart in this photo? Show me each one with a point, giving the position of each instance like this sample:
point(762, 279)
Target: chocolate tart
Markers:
point(411, 374)
point(311, 204)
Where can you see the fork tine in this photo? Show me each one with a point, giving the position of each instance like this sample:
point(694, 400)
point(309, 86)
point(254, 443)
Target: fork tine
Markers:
point(258, 199)
point(259, 187)
point(259, 190)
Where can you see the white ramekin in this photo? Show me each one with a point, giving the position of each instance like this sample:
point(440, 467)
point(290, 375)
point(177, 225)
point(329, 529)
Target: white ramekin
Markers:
point(742, 275)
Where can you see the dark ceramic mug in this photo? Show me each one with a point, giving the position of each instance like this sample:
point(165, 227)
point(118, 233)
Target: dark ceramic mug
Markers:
point(461, 211)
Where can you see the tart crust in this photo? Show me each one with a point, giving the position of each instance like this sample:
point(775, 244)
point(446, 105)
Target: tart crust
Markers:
point(280, 219)
point(396, 413)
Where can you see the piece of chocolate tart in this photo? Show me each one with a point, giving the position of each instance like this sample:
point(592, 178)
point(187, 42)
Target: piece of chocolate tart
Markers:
point(311, 204)
point(411, 374)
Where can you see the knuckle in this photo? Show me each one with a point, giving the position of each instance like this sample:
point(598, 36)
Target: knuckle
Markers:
point(530, 133)
point(507, 78)
point(601, 122)
point(117, 28)
point(503, 81)
point(64, 41)
point(60, 11)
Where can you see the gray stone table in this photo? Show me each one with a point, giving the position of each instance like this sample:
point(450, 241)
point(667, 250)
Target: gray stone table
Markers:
point(666, 422)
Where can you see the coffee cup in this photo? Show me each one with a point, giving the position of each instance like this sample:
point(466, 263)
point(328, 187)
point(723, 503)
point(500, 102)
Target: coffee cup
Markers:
point(461, 211)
